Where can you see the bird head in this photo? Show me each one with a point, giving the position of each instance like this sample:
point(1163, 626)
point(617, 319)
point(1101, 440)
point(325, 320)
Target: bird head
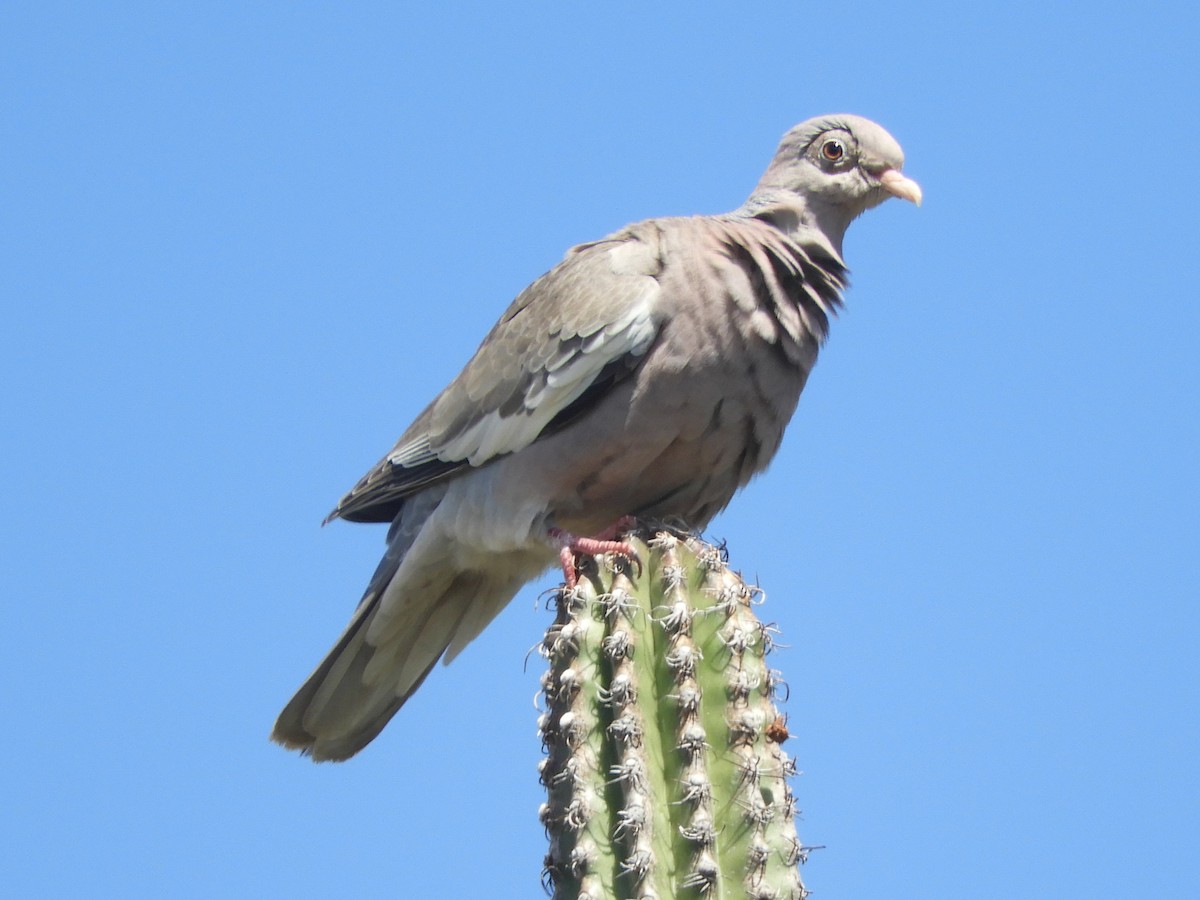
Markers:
point(831, 169)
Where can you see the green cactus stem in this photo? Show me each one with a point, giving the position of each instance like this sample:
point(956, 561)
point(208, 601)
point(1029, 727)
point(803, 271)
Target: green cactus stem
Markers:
point(664, 771)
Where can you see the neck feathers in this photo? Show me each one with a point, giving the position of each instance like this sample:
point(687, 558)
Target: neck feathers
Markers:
point(796, 281)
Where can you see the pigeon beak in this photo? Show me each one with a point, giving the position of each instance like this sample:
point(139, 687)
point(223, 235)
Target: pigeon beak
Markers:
point(899, 186)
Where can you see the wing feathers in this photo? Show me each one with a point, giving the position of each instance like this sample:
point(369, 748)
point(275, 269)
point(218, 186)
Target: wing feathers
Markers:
point(593, 315)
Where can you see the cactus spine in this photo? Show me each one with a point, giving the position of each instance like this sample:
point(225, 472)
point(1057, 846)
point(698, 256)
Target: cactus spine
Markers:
point(664, 770)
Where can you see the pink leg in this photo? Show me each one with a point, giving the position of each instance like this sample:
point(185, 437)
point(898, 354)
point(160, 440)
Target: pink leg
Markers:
point(571, 544)
point(622, 525)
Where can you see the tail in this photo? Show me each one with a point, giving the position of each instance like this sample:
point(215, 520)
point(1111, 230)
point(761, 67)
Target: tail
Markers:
point(421, 603)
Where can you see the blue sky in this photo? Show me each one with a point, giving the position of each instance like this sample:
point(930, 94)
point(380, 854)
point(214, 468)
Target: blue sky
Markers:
point(243, 244)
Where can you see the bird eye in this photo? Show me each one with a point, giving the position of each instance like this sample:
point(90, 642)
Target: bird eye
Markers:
point(833, 150)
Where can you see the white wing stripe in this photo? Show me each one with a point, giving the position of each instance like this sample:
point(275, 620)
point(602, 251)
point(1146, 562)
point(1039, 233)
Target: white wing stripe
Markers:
point(566, 379)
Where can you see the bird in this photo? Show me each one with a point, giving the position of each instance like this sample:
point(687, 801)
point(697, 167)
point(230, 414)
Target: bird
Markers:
point(650, 373)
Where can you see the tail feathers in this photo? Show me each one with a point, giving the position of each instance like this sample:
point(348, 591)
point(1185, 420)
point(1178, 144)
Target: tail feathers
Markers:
point(325, 718)
point(486, 607)
point(369, 674)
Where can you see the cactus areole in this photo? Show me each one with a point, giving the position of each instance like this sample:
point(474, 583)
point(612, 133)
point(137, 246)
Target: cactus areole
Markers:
point(664, 770)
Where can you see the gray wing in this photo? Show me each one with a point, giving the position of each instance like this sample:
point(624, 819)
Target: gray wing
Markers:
point(562, 344)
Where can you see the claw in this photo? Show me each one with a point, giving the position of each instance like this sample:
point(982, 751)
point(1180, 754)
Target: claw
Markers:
point(571, 545)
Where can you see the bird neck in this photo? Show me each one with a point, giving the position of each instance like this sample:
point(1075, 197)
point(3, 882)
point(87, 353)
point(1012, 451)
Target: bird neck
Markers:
point(789, 214)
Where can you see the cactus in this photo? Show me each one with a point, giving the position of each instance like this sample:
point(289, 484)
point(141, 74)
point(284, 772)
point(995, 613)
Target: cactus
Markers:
point(664, 770)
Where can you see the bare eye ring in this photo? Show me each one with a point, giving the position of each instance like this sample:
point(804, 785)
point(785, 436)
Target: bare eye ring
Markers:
point(833, 150)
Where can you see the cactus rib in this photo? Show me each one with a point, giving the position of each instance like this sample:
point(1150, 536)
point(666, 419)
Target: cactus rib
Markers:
point(665, 773)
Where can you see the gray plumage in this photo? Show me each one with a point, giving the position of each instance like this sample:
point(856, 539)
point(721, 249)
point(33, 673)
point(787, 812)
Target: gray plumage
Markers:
point(650, 373)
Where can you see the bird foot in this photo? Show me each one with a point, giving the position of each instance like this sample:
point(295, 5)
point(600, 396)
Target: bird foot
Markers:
point(571, 545)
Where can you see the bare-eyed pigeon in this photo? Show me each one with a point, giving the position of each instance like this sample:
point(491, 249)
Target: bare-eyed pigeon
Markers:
point(650, 373)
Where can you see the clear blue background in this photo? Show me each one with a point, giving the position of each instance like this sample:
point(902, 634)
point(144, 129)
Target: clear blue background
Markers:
point(243, 244)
